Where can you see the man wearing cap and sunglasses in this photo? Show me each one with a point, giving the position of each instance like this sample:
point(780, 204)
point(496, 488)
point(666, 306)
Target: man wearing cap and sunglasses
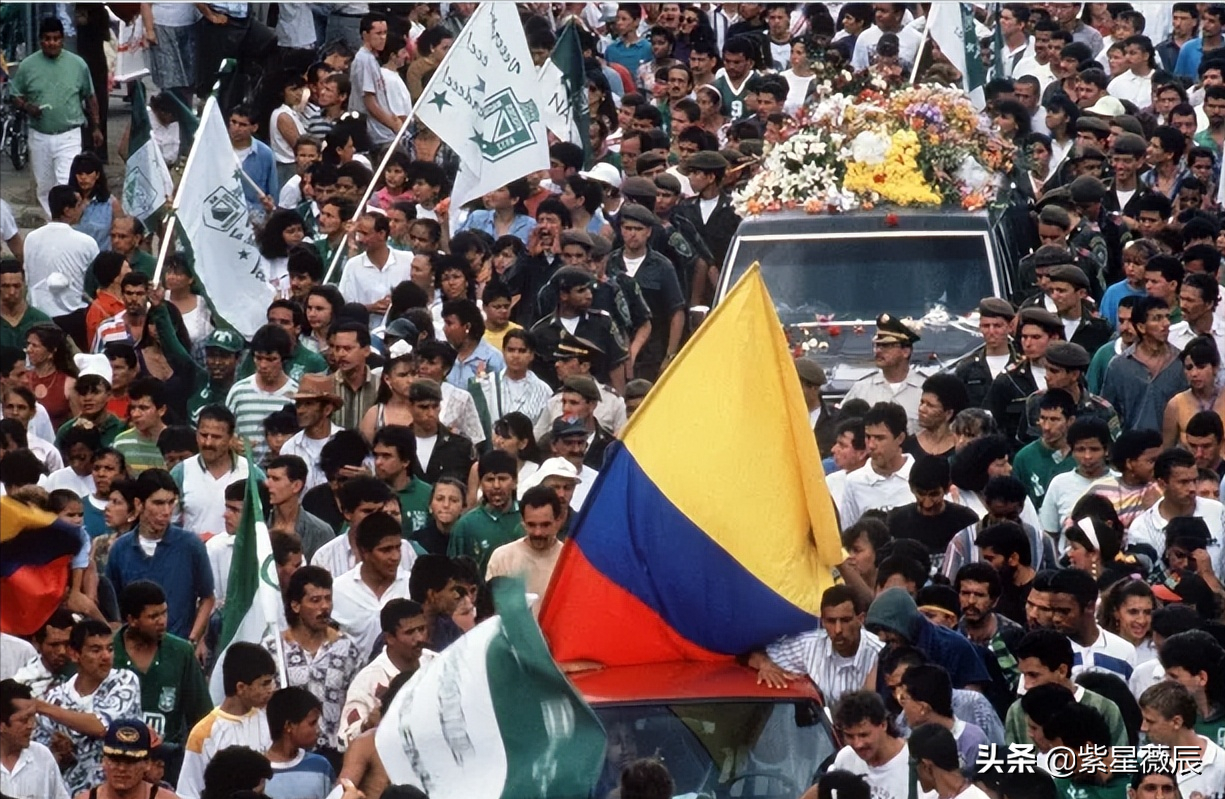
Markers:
point(895, 381)
point(574, 316)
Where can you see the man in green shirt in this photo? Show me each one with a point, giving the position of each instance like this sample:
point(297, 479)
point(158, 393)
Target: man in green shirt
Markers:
point(213, 382)
point(173, 691)
point(1044, 657)
point(495, 521)
point(395, 449)
point(1040, 460)
point(17, 316)
point(1082, 729)
point(51, 87)
point(146, 409)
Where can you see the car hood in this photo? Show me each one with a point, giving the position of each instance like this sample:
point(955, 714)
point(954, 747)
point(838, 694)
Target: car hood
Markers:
point(844, 349)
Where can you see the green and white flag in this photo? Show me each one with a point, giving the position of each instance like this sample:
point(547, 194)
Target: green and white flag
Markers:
point(951, 26)
point(147, 184)
point(253, 594)
point(213, 217)
point(485, 101)
point(492, 717)
point(566, 113)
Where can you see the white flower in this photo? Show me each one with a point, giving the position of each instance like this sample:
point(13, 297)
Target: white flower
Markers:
point(870, 147)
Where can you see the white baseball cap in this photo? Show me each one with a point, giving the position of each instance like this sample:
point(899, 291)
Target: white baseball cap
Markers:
point(95, 363)
point(605, 173)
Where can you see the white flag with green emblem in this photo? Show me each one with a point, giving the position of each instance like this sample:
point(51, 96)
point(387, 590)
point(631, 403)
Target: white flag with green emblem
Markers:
point(213, 216)
point(485, 101)
point(253, 594)
point(493, 717)
point(951, 26)
point(147, 185)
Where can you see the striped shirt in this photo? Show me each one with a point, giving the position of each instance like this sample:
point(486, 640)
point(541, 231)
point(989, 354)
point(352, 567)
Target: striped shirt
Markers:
point(1109, 653)
point(812, 653)
point(111, 331)
point(251, 405)
point(141, 453)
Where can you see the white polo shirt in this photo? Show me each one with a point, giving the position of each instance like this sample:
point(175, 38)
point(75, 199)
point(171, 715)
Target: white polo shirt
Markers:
point(865, 489)
point(356, 609)
point(202, 499)
point(1149, 528)
point(56, 258)
point(366, 283)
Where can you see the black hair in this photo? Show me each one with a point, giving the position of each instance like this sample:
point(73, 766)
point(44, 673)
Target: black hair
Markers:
point(430, 573)
point(296, 590)
point(10, 691)
point(290, 706)
point(87, 628)
point(236, 771)
point(396, 611)
point(245, 663)
point(1050, 648)
point(139, 595)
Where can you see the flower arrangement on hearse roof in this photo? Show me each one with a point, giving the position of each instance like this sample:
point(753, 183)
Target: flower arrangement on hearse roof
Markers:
point(863, 140)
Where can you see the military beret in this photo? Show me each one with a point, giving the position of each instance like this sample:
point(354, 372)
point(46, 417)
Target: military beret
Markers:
point(1129, 144)
point(996, 308)
point(668, 182)
point(648, 161)
point(1093, 125)
point(638, 213)
point(706, 161)
point(1067, 355)
point(583, 385)
point(1087, 189)
point(1052, 255)
point(810, 371)
point(1068, 273)
point(1055, 215)
point(579, 237)
point(636, 389)
point(1042, 318)
point(890, 330)
point(569, 277)
point(423, 389)
point(600, 247)
point(638, 187)
point(1129, 124)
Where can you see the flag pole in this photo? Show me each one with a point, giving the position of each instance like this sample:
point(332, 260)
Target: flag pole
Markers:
point(391, 148)
point(918, 56)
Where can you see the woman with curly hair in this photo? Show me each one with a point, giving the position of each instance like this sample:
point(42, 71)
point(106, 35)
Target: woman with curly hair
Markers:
point(1126, 610)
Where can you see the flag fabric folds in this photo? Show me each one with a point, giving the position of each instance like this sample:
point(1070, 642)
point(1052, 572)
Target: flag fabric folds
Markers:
point(710, 530)
point(566, 113)
point(492, 717)
point(36, 551)
point(485, 102)
point(951, 26)
point(253, 594)
point(213, 217)
point(147, 184)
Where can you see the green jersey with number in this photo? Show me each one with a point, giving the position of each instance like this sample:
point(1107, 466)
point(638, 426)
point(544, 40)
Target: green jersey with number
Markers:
point(173, 692)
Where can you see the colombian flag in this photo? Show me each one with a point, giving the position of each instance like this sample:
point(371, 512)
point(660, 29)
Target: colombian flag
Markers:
point(36, 549)
point(710, 530)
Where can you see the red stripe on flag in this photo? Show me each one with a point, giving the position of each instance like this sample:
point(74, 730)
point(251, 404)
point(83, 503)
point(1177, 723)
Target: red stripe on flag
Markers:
point(644, 637)
point(31, 594)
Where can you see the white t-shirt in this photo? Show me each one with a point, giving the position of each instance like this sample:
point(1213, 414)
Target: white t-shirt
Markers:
point(280, 147)
point(888, 781)
point(633, 264)
point(425, 449)
point(997, 364)
point(8, 222)
point(1149, 528)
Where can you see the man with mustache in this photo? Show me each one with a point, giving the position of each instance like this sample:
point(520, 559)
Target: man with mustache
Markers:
point(318, 657)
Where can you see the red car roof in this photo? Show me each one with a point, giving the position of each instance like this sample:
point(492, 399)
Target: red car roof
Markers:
point(682, 681)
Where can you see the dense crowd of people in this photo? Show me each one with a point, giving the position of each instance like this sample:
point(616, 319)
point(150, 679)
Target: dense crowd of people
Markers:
point(1034, 538)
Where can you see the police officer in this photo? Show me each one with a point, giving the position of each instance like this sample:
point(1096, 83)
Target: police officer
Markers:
point(1037, 267)
point(657, 278)
point(1069, 287)
point(598, 436)
point(997, 353)
point(1036, 327)
point(574, 356)
point(620, 300)
point(711, 210)
point(892, 346)
point(1091, 236)
point(574, 314)
point(1066, 364)
point(685, 241)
